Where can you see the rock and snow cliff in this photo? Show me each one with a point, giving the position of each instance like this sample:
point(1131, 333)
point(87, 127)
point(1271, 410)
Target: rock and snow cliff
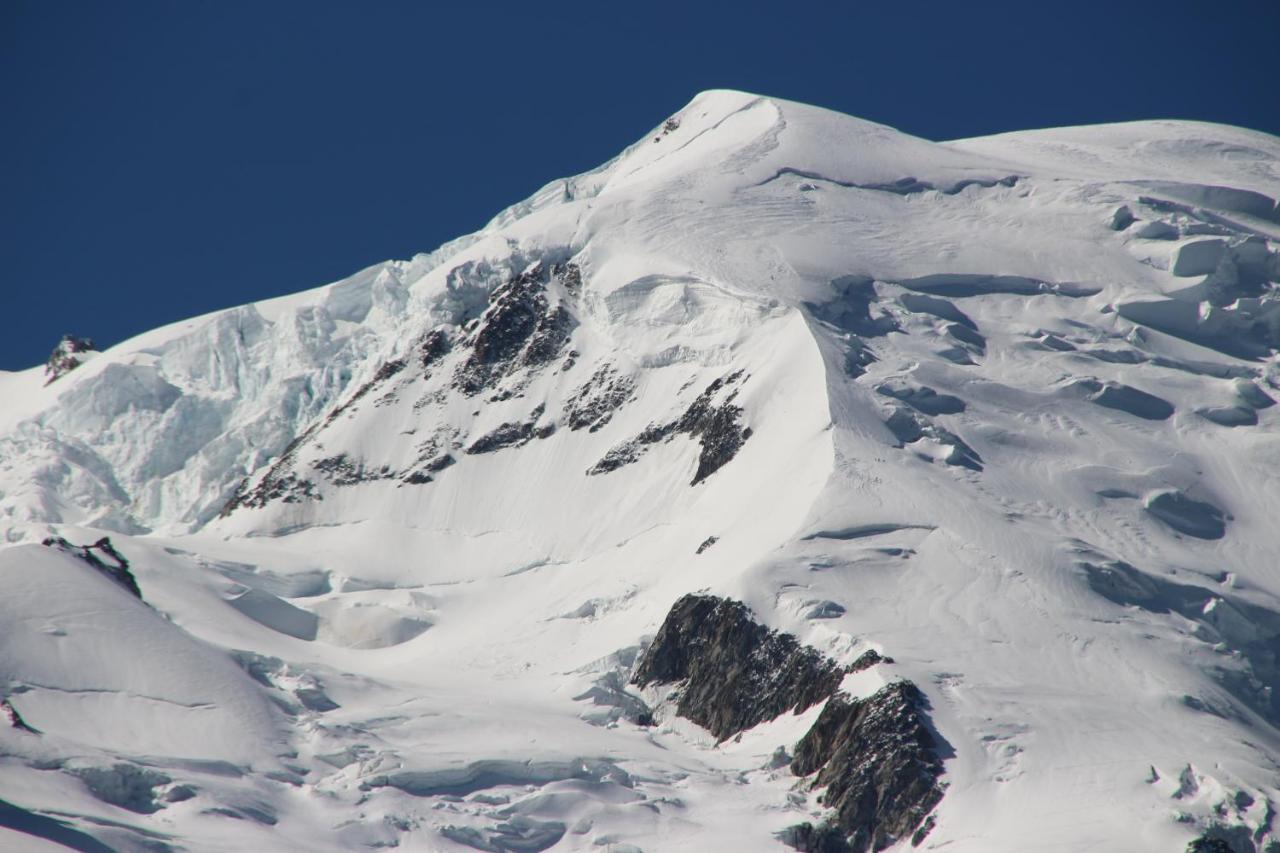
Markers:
point(987, 426)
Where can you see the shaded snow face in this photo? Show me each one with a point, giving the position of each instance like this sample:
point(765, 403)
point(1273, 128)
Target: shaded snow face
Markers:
point(1003, 408)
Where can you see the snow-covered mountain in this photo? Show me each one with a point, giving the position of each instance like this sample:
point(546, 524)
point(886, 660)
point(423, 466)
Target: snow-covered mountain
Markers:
point(968, 450)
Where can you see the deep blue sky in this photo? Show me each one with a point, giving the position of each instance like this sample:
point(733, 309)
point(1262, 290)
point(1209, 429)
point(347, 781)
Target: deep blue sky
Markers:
point(162, 159)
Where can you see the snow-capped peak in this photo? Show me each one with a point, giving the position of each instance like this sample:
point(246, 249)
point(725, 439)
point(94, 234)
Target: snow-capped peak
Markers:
point(978, 434)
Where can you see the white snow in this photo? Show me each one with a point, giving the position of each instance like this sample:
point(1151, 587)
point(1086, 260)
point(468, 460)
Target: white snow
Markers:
point(423, 664)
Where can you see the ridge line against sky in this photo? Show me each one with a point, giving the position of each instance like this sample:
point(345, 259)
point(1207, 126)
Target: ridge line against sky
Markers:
point(165, 160)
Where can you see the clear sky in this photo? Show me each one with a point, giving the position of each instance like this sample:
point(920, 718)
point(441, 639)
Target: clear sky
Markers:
point(163, 159)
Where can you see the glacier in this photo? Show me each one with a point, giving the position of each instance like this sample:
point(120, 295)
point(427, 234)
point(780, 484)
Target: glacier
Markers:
point(999, 411)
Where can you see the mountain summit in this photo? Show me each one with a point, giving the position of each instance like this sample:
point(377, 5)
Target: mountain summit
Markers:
point(786, 480)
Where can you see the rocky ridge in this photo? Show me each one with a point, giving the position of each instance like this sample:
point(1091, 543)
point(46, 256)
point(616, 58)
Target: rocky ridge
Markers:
point(876, 757)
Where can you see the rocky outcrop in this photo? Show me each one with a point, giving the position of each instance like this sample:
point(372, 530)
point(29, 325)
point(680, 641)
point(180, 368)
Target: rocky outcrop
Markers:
point(66, 356)
point(341, 470)
point(878, 763)
point(435, 346)
point(513, 434)
point(523, 327)
point(717, 426)
point(425, 474)
point(593, 404)
point(876, 757)
point(281, 482)
point(111, 562)
point(288, 488)
point(519, 329)
point(734, 672)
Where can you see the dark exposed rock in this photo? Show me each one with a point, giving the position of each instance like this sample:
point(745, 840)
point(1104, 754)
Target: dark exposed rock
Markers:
point(111, 562)
point(66, 356)
point(341, 470)
point(281, 482)
point(878, 762)
point(570, 275)
point(512, 434)
point(289, 488)
point(735, 673)
point(721, 438)
point(513, 313)
point(435, 466)
point(549, 337)
point(669, 126)
point(716, 427)
point(382, 374)
point(922, 831)
point(593, 404)
point(866, 660)
point(876, 757)
point(707, 543)
point(823, 838)
point(435, 345)
point(623, 454)
point(440, 463)
point(519, 329)
point(506, 435)
point(388, 369)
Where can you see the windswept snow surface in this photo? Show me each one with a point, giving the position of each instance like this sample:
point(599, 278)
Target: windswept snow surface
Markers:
point(1000, 409)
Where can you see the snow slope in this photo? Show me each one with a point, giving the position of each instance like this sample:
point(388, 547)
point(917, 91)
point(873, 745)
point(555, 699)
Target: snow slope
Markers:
point(999, 408)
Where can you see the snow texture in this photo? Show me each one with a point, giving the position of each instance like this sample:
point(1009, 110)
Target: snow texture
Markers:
point(999, 409)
